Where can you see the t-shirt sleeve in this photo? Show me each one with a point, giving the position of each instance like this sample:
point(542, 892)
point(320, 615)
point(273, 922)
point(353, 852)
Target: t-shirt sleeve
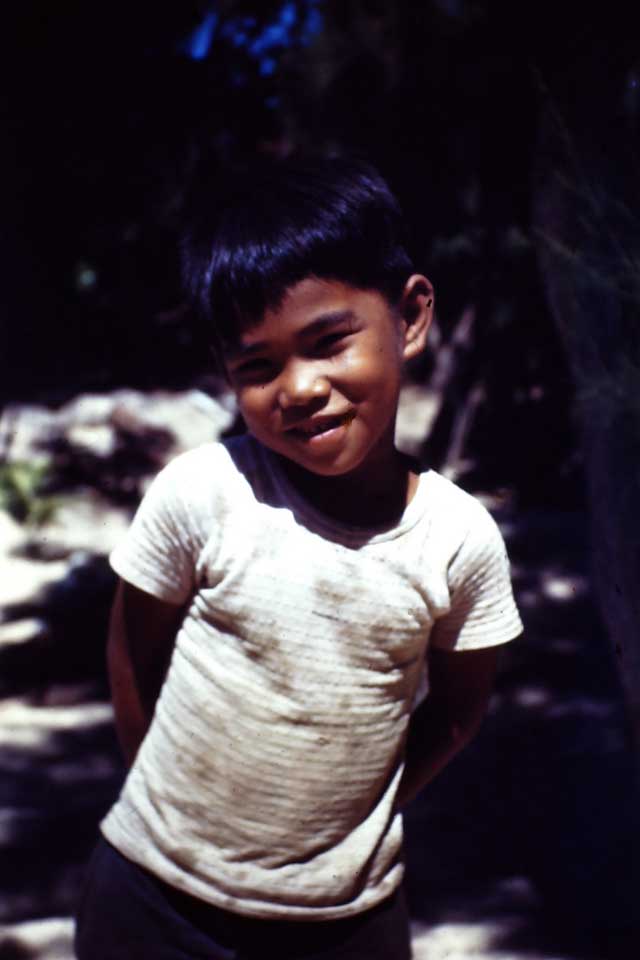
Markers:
point(483, 612)
point(160, 551)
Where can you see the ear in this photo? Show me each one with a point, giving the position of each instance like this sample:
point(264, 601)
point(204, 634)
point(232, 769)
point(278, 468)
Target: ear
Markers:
point(416, 310)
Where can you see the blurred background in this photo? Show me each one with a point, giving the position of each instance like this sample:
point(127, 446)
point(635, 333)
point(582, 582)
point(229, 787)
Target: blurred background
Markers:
point(509, 133)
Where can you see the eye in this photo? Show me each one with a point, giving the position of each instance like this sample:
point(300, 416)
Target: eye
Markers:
point(259, 370)
point(331, 343)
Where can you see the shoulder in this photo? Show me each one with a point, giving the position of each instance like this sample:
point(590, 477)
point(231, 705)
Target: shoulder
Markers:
point(460, 512)
point(188, 491)
point(203, 470)
point(199, 461)
point(482, 611)
point(183, 512)
point(215, 480)
point(468, 538)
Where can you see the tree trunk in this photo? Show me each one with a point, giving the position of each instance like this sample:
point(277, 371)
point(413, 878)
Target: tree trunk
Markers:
point(589, 248)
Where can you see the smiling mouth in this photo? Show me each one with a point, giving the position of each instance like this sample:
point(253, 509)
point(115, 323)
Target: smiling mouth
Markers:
point(314, 428)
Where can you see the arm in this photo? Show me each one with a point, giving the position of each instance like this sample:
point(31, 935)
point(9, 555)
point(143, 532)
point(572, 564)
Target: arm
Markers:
point(142, 632)
point(460, 685)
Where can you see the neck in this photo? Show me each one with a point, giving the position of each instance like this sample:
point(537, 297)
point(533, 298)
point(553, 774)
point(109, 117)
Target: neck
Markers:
point(362, 499)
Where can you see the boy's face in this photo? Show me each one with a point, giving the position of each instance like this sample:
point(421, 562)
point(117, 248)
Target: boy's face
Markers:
point(318, 378)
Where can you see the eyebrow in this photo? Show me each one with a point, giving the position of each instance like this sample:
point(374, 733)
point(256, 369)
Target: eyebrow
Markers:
point(326, 321)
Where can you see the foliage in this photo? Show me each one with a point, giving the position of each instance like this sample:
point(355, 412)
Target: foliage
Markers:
point(22, 492)
point(588, 234)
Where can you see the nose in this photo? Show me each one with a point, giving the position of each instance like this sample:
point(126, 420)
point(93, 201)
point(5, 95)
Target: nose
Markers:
point(302, 383)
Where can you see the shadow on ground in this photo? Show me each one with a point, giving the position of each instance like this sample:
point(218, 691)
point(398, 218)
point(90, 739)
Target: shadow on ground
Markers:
point(69, 651)
point(536, 824)
point(60, 766)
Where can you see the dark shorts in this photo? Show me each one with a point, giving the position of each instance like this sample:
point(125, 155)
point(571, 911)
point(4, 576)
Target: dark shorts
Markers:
point(128, 914)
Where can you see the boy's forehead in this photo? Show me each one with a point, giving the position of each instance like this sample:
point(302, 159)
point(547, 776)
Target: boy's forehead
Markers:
point(310, 296)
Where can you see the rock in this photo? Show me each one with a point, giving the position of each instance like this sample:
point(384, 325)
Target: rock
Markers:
point(24, 581)
point(50, 939)
point(26, 430)
point(467, 941)
point(94, 423)
point(23, 631)
point(89, 409)
point(416, 413)
point(191, 418)
point(100, 440)
point(67, 694)
point(21, 723)
point(82, 522)
point(12, 535)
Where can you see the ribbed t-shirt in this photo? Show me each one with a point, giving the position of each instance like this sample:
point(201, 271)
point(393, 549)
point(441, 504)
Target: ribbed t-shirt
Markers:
point(266, 783)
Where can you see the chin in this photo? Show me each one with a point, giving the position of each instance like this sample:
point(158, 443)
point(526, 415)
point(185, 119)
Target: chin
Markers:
point(326, 469)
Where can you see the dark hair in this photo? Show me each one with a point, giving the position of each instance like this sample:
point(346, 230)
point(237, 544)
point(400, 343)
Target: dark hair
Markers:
point(254, 234)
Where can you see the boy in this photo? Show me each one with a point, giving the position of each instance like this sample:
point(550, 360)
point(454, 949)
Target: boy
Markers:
point(280, 596)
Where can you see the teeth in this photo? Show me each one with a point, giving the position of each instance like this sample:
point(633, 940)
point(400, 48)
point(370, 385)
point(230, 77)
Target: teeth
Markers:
point(322, 427)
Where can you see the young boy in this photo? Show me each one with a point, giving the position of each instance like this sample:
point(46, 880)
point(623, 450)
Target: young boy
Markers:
point(281, 595)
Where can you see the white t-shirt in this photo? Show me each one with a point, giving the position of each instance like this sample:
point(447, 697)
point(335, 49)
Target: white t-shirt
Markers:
point(267, 780)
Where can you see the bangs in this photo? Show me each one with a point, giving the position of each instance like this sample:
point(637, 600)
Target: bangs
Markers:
point(270, 227)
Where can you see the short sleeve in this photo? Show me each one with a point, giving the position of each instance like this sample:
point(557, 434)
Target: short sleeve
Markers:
point(160, 551)
point(483, 612)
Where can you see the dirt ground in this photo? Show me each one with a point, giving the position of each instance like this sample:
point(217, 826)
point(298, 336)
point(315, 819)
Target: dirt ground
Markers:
point(521, 850)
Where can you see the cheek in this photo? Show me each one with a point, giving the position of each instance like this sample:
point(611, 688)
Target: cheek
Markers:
point(254, 404)
point(373, 370)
